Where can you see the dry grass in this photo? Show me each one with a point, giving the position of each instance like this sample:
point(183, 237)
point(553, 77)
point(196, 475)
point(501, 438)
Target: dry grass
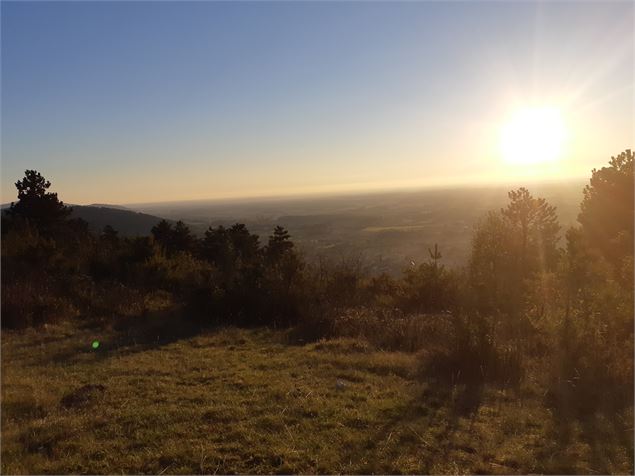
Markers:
point(244, 401)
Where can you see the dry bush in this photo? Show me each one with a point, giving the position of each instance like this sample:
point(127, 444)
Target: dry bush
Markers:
point(592, 368)
point(179, 272)
point(108, 299)
point(327, 291)
point(392, 330)
point(26, 304)
point(475, 353)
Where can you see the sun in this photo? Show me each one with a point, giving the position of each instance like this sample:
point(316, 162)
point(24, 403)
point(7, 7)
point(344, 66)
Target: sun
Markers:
point(533, 135)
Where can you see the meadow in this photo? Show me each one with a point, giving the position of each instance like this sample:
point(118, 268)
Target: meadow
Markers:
point(232, 400)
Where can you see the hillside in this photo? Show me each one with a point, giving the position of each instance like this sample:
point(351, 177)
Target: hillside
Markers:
point(126, 222)
point(244, 401)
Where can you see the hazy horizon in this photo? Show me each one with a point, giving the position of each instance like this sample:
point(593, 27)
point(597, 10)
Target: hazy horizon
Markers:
point(371, 192)
point(507, 185)
point(133, 103)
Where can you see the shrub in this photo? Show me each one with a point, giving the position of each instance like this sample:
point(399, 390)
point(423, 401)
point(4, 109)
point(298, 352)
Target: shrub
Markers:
point(392, 329)
point(593, 355)
point(475, 354)
point(328, 290)
point(180, 272)
point(25, 304)
point(428, 288)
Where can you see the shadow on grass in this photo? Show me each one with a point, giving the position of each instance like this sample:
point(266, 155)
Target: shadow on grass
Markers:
point(439, 406)
point(127, 335)
point(607, 432)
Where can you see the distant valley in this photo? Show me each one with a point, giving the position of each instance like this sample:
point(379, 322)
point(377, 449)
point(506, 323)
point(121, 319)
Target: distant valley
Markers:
point(388, 230)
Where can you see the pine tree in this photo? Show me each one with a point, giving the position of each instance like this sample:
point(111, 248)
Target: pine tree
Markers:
point(162, 233)
point(535, 227)
point(181, 239)
point(37, 205)
point(435, 256)
point(279, 244)
point(607, 214)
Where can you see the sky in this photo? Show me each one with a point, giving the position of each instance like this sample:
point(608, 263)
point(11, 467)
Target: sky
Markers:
point(130, 102)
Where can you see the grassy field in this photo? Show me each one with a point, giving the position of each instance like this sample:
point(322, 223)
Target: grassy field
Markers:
point(246, 401)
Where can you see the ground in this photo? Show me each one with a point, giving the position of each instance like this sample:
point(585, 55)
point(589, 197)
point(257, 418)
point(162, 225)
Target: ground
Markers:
point(246, 401)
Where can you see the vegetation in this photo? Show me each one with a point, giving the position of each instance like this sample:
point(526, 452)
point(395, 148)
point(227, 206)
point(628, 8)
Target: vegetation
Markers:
point(514, 364)
point(244, 401)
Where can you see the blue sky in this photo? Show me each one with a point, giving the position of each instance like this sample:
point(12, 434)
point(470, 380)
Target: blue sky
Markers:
point(136, 102)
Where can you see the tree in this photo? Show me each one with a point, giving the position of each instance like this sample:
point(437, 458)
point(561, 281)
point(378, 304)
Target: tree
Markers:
point(173, 239)
point(215, 247)
point(490, 263)
point(162, 233)
point(109, 235)
point(509, 248)
point(282, 278)
point(245, 245)
point(429, 287)
point(36, 204)
point(534, 225)
point(435, 256)
point(607, 213)
point(279, 245)
point(182, 239)
point(595, 338)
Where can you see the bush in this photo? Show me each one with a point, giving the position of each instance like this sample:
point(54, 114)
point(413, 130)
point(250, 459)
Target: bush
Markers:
point(593, 358)
point(591, 335)
point(393, 330)
point(180, 272)
point(428, 288)
point(475, 354)
point(25, 304)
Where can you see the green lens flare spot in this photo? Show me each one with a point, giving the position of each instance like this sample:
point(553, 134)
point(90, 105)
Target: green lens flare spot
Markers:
point(95, 344)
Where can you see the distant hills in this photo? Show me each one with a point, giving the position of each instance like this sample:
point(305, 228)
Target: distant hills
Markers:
point(127, 222)
point(107, 205)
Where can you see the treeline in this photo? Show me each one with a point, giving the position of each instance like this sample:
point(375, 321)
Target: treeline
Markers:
point(528, 296)
point(54, 267)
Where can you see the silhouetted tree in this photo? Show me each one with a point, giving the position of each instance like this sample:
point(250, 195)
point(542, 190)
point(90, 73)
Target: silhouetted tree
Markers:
point(216, 249)
point(162, 233)
point(109, 235)
point(173, 239)
point(181, 239)
point(435, 256)
point(35, 203)
point(279, 244)
point(534, 225)
point(428, 287)
point(245, 245)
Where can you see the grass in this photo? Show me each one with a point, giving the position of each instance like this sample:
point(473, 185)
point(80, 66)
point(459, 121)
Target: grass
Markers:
point(245, 401)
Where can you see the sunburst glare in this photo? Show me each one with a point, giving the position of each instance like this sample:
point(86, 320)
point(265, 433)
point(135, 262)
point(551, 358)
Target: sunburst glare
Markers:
point(533, 135)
